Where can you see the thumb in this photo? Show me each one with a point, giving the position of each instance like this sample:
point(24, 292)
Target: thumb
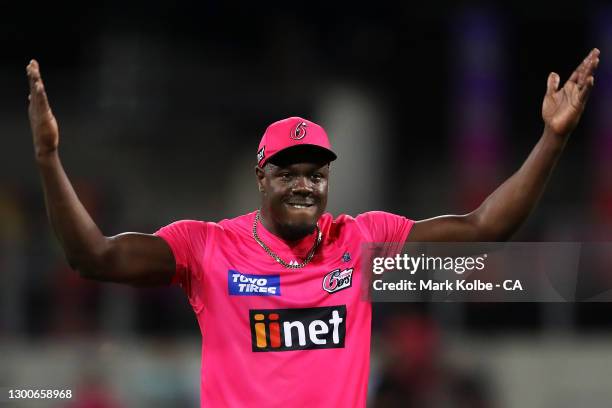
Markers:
point(552, 84)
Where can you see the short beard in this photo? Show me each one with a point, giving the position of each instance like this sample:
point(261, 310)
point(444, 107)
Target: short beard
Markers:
point(296, 232)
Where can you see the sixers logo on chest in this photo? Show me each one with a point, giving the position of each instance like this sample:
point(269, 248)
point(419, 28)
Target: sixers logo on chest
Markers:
point(337, 280)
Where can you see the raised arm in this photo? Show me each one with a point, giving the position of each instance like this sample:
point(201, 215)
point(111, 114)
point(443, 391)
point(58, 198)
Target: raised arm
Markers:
point(502, 213)
point(136, 259)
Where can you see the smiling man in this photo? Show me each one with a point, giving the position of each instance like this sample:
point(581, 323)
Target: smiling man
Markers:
point(277, 291)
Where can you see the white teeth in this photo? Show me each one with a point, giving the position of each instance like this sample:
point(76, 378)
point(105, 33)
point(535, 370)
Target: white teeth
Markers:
point(299, 206)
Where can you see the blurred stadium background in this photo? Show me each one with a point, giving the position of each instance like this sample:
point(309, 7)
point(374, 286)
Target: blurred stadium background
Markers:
point(161, 107)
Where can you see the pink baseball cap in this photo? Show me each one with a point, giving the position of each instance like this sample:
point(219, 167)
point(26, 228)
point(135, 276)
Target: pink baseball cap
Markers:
point(290, 133)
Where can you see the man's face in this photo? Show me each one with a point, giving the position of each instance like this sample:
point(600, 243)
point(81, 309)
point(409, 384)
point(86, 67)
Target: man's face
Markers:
point(294, 195)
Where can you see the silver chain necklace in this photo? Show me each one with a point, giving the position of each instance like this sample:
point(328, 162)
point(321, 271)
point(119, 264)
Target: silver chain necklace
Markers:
point(278, 258)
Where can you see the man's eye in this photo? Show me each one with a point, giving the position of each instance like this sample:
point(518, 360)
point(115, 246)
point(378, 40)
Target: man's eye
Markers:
point(317, 177)
point(285, 176)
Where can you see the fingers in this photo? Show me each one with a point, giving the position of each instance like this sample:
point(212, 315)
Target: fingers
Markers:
point(38, 96)
point(34, 78)
point(33, 72)
point(552, 84)
point(586, 68)
point(584, 92)
point(592, 64)
point(586, 80)
point(578, 71)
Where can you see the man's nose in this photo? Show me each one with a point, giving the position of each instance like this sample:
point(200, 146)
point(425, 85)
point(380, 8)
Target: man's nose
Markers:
point(302, 185)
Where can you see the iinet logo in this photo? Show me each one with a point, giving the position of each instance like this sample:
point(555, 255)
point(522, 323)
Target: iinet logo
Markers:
point(298, 329)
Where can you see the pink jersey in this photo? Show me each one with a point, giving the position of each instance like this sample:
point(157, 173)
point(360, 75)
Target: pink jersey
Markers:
point(273, 336)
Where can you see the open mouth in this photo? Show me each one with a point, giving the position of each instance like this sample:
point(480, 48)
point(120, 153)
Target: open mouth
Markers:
point(299, 205)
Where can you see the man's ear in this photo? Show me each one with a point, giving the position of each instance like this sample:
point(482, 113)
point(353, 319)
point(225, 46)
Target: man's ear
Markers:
point(260, 174)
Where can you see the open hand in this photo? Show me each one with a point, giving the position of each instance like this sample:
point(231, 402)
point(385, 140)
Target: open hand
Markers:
point(562, 108)
point(42, 122)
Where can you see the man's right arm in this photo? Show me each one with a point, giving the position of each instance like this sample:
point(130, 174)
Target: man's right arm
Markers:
point(132, 258)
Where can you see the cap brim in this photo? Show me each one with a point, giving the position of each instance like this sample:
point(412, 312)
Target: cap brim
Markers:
point(302, 153)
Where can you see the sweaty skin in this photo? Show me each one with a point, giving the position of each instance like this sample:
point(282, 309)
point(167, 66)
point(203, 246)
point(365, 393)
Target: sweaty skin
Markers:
point(294, 196)
point(294, 193)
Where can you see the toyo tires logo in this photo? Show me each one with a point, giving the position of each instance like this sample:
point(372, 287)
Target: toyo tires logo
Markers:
point(244, 284)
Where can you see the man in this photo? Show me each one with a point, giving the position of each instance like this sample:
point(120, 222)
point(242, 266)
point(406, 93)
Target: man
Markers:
point(276, 291)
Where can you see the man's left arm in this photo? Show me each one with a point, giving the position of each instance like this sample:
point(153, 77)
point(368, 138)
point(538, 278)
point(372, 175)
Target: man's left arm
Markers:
point(502, 213)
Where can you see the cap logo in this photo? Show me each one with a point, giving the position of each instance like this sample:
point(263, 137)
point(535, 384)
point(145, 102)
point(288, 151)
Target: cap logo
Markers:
point(261, 154)
point(299, 132)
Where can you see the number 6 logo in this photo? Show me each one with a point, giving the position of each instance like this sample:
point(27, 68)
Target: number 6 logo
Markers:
point(337, 280)
point(299, 132)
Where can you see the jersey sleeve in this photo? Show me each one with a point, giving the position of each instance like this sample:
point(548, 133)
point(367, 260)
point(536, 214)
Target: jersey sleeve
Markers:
point(187, 240)
point(385, 228)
